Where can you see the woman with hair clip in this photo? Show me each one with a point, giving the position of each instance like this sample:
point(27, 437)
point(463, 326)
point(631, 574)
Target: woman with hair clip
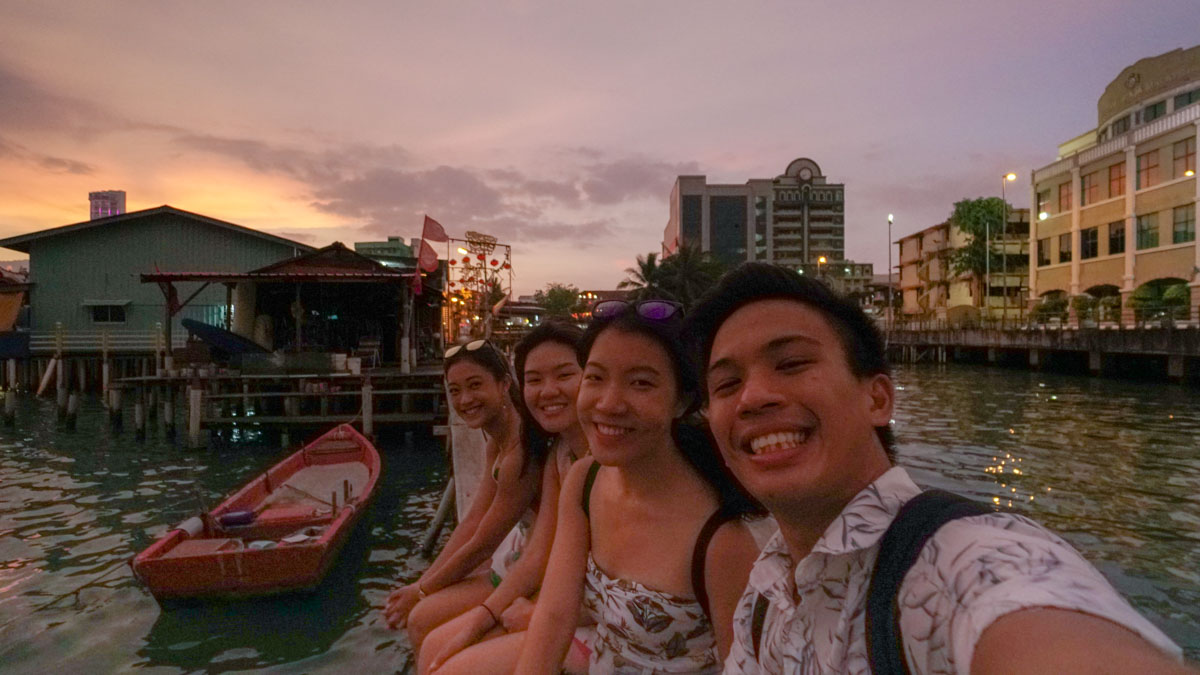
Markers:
point(650, 545)
point(549, 374)
point(482, 391)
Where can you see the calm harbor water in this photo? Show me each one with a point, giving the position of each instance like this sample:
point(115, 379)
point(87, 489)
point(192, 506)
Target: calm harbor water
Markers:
point(1113, 466)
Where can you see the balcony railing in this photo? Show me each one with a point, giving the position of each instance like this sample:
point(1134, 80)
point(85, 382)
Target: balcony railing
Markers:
point(121, 341)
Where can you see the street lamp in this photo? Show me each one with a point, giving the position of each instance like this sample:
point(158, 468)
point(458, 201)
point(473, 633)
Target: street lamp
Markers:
point(820, 261)
point(891, 301)
point(1008, 178)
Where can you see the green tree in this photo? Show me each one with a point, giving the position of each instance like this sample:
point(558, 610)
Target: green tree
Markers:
point(977, 219)
point(559, 299)
point(688, 273)
point(645, 281)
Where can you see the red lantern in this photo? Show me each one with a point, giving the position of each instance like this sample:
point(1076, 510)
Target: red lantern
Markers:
point(453, 261)
point(506, 265)
point(481, 257)
point(495, 262)
point(452, 283)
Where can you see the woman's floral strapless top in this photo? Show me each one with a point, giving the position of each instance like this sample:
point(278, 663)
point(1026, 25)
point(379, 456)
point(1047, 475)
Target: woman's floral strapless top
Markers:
point(641, 631)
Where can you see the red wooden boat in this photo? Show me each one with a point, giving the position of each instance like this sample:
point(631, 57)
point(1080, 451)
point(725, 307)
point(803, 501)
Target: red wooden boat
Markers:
point(280, 533)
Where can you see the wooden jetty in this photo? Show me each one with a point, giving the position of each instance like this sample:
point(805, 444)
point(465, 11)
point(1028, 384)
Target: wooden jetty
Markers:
point(217, 400)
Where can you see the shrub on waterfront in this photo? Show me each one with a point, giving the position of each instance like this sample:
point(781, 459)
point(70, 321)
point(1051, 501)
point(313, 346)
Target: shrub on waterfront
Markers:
point(1049, 308)
point(1084, 306)
point(1110, 308)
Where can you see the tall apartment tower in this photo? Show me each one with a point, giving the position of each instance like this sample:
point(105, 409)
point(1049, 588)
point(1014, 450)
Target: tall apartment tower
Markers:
point(792, 219)
point(106, 203)
point(796, 219)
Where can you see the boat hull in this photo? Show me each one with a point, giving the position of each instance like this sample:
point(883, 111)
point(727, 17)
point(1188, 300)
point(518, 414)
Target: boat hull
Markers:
point(298, 529)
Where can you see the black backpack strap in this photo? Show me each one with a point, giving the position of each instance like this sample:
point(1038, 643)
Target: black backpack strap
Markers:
point(587, 487)
point(899, 549)
point(757, 619)
point(700, 555)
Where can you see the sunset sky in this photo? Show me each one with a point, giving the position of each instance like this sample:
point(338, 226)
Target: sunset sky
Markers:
point(559, 127)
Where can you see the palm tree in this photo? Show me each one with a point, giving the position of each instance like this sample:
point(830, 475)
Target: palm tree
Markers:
point(688, 273)
point(645, 281)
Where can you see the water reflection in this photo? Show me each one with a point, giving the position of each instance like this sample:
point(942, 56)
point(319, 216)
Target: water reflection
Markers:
point(1112, 466)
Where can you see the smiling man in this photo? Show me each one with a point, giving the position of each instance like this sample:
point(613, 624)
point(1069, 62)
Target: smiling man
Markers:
point(799, 400)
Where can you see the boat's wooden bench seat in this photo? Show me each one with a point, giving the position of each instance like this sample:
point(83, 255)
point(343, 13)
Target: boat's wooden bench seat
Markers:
point(334, 446)
point(202, 547)
point(285, 512)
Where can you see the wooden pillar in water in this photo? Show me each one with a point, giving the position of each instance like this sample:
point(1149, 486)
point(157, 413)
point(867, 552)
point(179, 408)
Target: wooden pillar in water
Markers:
point(10, 408)
point(72, 410)
point(195, 416)
point(368, 408)
point(114, 408)
point(168, 414)
point(139, 414)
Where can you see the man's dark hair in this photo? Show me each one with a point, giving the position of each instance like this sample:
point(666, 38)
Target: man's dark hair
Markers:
point(753, 281)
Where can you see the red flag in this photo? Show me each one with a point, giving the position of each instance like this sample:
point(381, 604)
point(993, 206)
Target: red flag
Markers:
point(433, 230)
point(427, 260)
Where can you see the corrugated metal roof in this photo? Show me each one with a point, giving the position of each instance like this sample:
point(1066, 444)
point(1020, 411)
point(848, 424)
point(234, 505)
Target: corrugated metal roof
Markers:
point(21, 241)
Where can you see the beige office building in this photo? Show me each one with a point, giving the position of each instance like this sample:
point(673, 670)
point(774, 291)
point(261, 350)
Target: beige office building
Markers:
point(1117, 210)
point(931, 292)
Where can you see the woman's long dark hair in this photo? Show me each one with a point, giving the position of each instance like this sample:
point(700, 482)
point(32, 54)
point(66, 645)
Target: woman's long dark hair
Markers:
point(534, 441)
point(690, 433)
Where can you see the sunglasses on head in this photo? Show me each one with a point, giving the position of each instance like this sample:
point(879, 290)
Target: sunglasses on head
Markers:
point(651, 310)
point(470, 346)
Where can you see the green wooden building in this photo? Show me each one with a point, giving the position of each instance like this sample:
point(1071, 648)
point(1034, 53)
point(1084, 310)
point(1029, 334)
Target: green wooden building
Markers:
point(86, 276)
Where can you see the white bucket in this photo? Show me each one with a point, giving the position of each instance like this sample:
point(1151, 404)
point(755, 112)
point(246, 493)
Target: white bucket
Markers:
point(339, 362)
point(354, 363)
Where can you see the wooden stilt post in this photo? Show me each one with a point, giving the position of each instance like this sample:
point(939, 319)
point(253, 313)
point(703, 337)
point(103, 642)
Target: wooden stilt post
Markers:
point(72, 409)
point(10, 408)
point(114, 409)
point(168, 415)
point(12, 373)
point(139, 414)
point(368, 408)
point(105, 368)
point(195, 415)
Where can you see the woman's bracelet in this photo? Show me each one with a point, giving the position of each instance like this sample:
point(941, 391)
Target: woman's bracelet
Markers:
point(420, 592)
point(495, 621)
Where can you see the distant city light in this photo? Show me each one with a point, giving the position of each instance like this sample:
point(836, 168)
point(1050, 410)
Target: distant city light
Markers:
point(463, 251)
point(1043, 215)
point(889, 219)
point(1189, 173)
point(1010, 177)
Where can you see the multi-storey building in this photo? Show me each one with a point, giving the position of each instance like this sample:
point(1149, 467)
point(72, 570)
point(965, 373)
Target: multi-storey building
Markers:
point(932, 291)
point(106, 203)
point(794, 219)
point(1117, 210)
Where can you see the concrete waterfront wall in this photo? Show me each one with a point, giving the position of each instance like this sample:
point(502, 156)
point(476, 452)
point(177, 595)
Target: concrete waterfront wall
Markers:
point(1161, 353)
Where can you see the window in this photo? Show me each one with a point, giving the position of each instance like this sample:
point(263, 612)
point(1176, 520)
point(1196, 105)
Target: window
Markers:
point(1184, 229)
point(1147, 169)
point(1147, 231)
point(1064, 197)
point(108, 313)
point(1089, 243)
point(1043, 199)
point(1043, 252)
point(1116, 237)
point(1187, 98)
point(1089, 188)
point(1064, 247)
point(1120, 126)
point(1185, 156)
point(1154, 111)
point(1116, 180)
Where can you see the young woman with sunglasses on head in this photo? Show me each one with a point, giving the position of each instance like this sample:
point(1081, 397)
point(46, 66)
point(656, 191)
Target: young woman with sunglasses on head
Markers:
point(550, 374)
point(649, 544)
point(482, 391)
